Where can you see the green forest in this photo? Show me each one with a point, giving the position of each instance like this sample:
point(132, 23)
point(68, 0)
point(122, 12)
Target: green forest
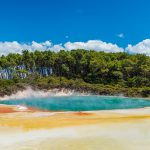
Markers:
point(95, 70)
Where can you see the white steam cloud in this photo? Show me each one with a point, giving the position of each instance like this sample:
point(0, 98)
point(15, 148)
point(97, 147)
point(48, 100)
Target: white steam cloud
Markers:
point(30, 93)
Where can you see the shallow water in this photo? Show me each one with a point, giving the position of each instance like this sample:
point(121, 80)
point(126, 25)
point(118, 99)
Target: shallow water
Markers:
point(80, 103)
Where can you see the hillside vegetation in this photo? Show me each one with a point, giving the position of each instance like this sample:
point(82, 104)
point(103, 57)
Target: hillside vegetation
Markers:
point(97, 72)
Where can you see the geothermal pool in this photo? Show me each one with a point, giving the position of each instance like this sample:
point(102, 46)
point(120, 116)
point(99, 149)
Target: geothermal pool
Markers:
point(126, 129)
point(79, 103)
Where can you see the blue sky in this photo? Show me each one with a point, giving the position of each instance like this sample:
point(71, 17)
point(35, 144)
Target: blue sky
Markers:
point(120, 22)
point(81, 20)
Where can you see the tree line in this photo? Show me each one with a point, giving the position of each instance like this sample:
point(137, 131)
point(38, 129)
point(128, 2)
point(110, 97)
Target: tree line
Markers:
point(93, 67)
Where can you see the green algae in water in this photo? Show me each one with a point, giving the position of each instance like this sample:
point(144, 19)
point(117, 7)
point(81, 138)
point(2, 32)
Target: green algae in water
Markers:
point(80, 103)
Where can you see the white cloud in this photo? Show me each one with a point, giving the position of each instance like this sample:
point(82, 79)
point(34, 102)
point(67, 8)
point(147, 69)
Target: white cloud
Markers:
point(94, 45)
point(140, 48)
point(66, 36)
point(16, 47)
point(57, 48)
point(121, 35)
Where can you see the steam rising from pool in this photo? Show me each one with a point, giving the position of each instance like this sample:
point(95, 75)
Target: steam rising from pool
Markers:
point(66, 100)
point(69, 100)
point(30, 93)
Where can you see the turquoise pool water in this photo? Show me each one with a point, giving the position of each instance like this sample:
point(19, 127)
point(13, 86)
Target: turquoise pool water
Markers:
point(80, 103)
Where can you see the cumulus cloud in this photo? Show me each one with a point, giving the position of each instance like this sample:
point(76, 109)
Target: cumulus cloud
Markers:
point(57, 48)
point(94, 45)
point(140, 48)
point(16, 47)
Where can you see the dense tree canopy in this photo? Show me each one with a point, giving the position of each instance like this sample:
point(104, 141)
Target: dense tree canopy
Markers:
point(91, 66)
